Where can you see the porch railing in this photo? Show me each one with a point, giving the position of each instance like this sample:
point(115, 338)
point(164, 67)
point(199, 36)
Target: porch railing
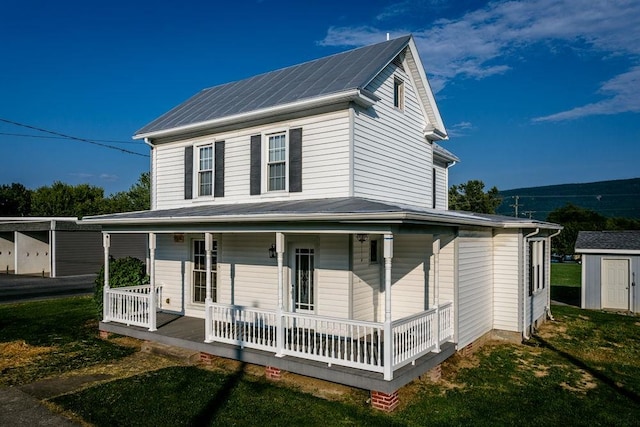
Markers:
point(343, 342)
point(131, 305)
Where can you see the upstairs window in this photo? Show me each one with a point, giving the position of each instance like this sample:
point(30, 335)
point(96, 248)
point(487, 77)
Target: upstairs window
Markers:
point(277, 162)
point(205, 170)
point(398, 94)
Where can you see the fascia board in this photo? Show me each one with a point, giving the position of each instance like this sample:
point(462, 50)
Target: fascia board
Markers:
point(361, 97)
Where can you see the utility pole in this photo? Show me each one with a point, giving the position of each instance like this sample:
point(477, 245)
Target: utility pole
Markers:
point(528, 213)
point(516, 205)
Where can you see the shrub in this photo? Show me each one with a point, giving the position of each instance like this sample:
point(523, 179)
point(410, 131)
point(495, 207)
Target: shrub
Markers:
point(127, 271)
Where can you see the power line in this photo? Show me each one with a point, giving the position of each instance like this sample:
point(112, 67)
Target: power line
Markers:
point(113, 147)
point(560, 196)
point(61, 137)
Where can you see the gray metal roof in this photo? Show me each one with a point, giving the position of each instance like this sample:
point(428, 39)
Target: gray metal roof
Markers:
point(336, 209)
point(344, 71)
point(608, 240)
point(442, 152)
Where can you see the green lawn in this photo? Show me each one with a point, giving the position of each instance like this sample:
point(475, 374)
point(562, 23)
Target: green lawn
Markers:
point(583, 369)
point(43, 338)
point(566, 274)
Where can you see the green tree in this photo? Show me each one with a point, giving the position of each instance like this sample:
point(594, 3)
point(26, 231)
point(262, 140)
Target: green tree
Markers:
point(67, 200)
point(471, 197)
point(15, 200)
point(574, 219)
point(138, 198)
point(126, 271)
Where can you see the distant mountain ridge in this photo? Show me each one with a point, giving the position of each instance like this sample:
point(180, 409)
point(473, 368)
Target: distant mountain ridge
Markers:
point(616, 198)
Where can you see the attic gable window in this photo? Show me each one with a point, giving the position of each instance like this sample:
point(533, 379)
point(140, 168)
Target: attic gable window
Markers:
point(398, 94)
point(205, 170)
point(277, 162)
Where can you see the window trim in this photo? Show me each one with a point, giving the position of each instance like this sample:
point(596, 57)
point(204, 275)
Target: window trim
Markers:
point(398, 93)
point(265, 160)
point(197, 171)
point(537, 265)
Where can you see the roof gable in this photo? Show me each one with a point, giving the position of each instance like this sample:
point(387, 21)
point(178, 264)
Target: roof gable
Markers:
point(336, 74)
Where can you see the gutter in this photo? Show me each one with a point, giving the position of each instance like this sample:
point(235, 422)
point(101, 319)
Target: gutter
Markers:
point(548, 308)
point(525, 334)
point(359, 96)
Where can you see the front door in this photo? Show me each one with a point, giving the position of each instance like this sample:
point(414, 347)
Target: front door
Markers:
point(615, 283)
point(303, 292)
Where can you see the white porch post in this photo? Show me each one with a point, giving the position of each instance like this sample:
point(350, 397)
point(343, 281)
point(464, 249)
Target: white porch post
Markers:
point(208, 248)
point(153, 303)
point(436, 287)
point(279, 314)
point(106, 243)
point(388, 336)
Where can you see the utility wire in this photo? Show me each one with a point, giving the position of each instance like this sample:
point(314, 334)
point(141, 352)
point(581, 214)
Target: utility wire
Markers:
point(64, 137)
point(113, 147)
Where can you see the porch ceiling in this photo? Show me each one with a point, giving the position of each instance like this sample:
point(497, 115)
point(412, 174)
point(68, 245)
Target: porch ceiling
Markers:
point(312, 214)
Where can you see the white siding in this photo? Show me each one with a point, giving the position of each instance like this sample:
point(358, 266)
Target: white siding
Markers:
point(447, 268)
point(332, 271)
point(32, 252)
point(507, 289)
point(442, 186)
point(172, 260)
point(475, 282)
point(367, 279)
point(246, 274)
point(392, 159)
point(7, 255)
point(325, 162)
point(410, 274)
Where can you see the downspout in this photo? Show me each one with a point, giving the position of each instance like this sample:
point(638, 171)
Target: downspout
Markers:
point(548, 308)
point(525, 335)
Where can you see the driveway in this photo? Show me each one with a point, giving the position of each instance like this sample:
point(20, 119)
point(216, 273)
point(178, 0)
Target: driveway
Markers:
point(23, 288)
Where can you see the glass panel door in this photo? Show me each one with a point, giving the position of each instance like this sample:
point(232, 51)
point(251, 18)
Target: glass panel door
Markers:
point(303, 279)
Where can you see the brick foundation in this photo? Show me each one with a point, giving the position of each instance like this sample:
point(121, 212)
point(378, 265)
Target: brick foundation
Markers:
point(104, 334)
point(206, 358)
point(435, 374)
point(386, 402)
point(272, 373)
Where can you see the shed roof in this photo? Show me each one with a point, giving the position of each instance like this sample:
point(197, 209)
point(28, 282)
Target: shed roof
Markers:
point(607, 241)
point(337, 73)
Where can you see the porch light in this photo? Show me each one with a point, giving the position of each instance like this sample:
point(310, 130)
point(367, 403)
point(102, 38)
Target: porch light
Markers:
point(362, 237)
point(272, 250)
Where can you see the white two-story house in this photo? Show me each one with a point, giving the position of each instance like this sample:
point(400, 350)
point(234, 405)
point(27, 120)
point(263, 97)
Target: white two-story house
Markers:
point(299, 221)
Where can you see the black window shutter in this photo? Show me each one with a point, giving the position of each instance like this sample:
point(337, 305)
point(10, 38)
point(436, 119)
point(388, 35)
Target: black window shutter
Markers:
point(188, 172)
point(218, 183)
point(255, 174)
point(295, 160)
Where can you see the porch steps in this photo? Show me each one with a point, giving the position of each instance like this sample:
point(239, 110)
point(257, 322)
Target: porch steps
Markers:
point(183, 355)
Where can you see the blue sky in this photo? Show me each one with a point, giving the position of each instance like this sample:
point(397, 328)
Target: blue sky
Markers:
point(532, 93)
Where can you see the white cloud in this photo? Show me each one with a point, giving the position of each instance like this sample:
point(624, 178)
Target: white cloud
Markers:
point(82, 175)
point(623, 96)
point(459, 129)
point(108, 177)
point(481, 42)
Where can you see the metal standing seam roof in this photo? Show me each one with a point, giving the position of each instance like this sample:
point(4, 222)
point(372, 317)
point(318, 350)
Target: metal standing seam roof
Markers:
point(354, 208)
point(608, 240)
point(344, 71)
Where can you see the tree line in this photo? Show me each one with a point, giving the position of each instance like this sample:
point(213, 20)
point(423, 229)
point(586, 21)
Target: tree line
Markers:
point(472, 197)
point(60, 199)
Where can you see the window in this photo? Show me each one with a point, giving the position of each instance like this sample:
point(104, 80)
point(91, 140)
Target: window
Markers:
point(277, 163)
point(199, 282)
point(398, 94)
point(373, 251)
point(537, 273)
point(205, 170)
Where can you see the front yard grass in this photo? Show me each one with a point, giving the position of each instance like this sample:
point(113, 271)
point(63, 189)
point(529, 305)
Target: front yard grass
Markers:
point(582, 369)
point(566, 281)
point(52, 337)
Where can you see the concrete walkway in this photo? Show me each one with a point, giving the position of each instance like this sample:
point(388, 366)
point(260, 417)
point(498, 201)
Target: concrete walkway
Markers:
point(18, 409)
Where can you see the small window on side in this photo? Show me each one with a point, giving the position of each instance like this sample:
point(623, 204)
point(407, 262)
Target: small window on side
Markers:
point(373, 251)
point(398, 94)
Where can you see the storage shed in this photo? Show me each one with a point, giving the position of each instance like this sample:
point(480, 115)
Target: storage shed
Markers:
point(57, 247)
point(610, 266)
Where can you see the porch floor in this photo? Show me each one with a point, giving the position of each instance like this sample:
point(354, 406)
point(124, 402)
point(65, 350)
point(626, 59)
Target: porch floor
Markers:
point(188, 333)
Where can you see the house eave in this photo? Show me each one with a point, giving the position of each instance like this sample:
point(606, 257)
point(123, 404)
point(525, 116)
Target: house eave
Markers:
point(361, 97)
point(608, 251)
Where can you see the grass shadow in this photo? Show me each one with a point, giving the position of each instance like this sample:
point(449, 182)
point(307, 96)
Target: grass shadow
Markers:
point(593, 372)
